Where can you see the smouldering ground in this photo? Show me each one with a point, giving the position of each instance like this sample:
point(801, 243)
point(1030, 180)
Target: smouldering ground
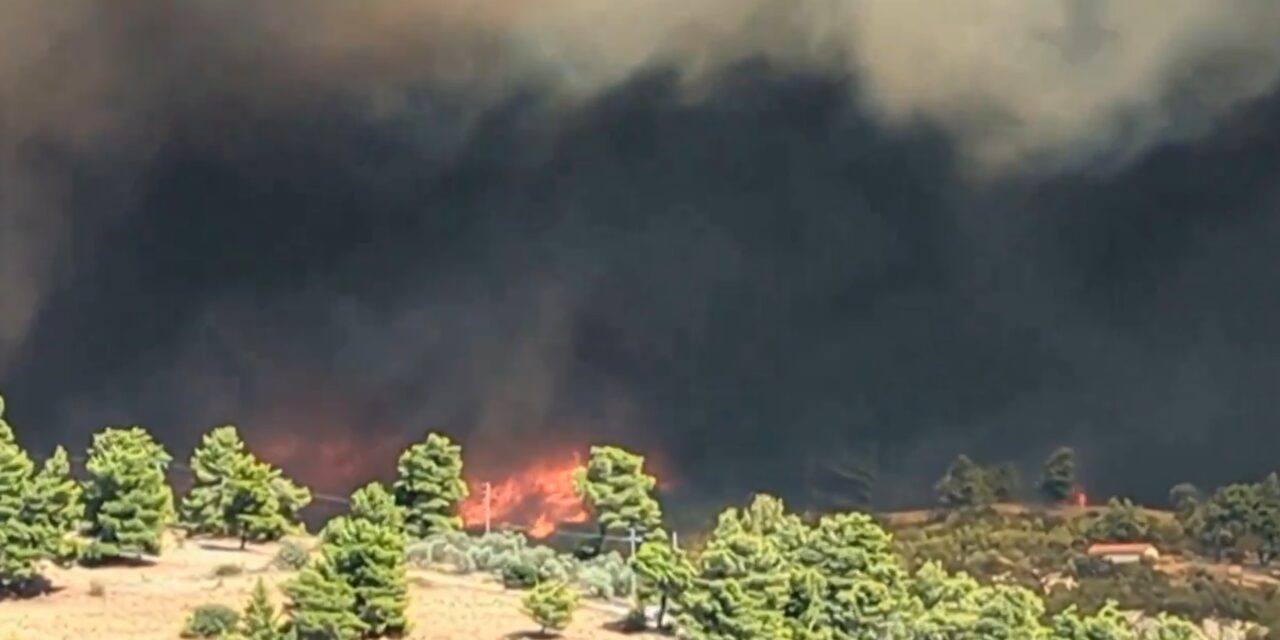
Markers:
point(151, 603)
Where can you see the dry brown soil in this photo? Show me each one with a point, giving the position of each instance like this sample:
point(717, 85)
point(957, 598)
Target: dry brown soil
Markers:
point(151, 602)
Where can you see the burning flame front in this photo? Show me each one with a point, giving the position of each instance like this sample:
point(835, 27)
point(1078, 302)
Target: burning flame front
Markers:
point(538, 499)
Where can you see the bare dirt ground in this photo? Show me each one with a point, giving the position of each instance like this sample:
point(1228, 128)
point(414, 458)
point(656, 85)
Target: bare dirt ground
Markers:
point(152, 602)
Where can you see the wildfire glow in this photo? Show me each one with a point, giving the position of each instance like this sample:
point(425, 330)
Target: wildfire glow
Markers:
point(539, 497)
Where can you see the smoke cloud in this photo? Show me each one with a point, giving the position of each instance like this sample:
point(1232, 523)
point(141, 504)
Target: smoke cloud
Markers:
point(725, 230)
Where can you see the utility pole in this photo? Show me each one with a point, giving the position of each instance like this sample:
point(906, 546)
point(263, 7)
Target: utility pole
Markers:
point(631, 537)
point(675, 541)
point(488, 506)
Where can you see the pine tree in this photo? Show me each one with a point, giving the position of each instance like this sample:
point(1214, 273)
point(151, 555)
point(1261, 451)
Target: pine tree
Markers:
point(212, 463)
point(20, 548)
point(551, 605)
point(322, 605)
point(260, 621)
point(235, 494)
point(663, 572)
point(128, 502)
point(367, 549)
point(856, 557)
point(429, 486)
point(965, 485)
point(1108, 623)
point(1167, 627)
point(618, 491)
point(252, 508)
point(1058, 476)
point(372, 502)
point(53, 507)
point(742, 588)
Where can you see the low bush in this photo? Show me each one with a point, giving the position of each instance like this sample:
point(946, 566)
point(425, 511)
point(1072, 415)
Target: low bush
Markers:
point(228, 570)
point(211, 621)
point(512, 560)
point(291, 556)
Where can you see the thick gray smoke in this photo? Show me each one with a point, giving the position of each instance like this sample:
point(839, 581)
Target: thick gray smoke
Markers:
point(728, 225)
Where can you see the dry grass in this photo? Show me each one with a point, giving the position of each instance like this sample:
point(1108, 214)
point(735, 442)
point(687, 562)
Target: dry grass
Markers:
point(151, 602)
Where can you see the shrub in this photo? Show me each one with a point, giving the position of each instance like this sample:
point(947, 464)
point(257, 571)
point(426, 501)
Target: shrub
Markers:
point(551, 605)
point(227, 570)
point(519, 575)
point(211, 621)
point(291, 556)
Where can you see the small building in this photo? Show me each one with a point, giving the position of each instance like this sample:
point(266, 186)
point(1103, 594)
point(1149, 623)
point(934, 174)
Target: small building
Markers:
point(1125, 553)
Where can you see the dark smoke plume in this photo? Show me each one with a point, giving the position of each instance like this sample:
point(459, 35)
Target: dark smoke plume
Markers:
point(724, 231)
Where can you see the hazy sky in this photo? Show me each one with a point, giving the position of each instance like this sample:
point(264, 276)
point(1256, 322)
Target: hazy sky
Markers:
point(724, 232)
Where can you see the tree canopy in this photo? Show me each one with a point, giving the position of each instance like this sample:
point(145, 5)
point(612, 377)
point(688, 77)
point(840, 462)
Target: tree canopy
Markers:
point(618, 492)
point(429, 486)
point(128, 502)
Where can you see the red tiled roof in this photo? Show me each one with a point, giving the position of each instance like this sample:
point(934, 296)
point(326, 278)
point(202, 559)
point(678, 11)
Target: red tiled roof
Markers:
point(1120, 549)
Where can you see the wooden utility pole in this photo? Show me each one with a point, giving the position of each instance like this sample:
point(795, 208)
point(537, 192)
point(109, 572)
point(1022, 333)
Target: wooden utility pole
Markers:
point(488, 506)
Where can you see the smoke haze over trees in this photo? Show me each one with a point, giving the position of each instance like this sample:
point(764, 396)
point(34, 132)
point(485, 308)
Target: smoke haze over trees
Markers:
point(726, 233)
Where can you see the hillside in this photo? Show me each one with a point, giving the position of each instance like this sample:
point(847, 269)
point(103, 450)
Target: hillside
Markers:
point(151, 602)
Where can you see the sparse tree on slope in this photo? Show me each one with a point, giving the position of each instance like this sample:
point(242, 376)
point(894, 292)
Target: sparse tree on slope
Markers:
point(260, 621)
point(20, 549)
point(965, 485)
point(618, 491)
point(551, 605)
point(128, 502)
point(429, 486)
point(322, 605)
point(1123, 521)
point(663, 572)
point(1058, 475)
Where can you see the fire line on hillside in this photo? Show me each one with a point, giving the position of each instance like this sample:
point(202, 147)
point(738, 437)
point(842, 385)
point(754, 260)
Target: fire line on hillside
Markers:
point(538, 498)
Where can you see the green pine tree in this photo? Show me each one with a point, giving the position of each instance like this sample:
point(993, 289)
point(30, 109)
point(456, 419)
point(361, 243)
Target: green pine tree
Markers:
point(368, 549)
point(235, 494)
point(618, 491)
point(260, 621)
point(53, 507)
point(1108, 623)
point(374, 503)
point(867, 591)
point(965, 485)
point(429, 486)
point(202, 510)
point(128, 502)
point(322, 606)
point(252, 507)
point(663, 572)
point(1058, 475)
point(743, 586)
point(20, 547)
point(551, 605)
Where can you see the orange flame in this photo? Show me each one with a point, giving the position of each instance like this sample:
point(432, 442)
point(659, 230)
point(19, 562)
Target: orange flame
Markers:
point(539, 498)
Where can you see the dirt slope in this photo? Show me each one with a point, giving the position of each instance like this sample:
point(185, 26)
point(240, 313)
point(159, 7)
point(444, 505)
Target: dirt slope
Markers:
point(151, 602)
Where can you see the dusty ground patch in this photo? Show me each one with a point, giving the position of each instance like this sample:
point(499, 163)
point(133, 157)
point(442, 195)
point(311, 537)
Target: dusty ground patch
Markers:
point(151, 602)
